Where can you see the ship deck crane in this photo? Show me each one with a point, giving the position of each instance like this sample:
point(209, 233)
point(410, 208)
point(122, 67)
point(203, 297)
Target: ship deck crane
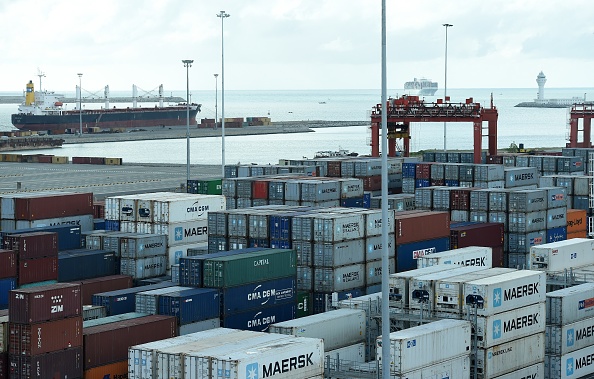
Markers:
point(407, 109)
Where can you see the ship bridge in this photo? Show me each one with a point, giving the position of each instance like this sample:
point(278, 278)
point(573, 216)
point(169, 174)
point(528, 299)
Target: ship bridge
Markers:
point(406, 109)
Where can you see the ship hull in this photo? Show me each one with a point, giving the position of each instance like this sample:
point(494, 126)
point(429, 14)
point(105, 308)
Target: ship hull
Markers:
point(107, 119)
point(422, 92)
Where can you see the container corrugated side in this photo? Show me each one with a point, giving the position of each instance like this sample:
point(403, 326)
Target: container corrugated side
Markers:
point(561, 255)
point(338, 328)
point(92, 312)
point(259, 320)
point(84, 221)
point(148, 302)
point(112, 370)
point(510, 357)
point(571, 304)
point(259, 294)
point(420, 346)
point(37, 270)
point(67, 363)
point(352, 353)
point(192, 305)
point(143, 268)
point(334, 227)
point(435, 225)
point(374, 247)
point(453, 368)
point(187, 208)
point(408, 254)
point(520, 176)
point(465, 256)
point(330, 279)
point(504, 292)
point(4, 334)
point(44, 337)
point(510, 325)
point(123, 301)
point(341, 253)
point(143, 245)
point(53, 205)
point(563, 339)
point(74, 265)
point(44, 303)
point(576, 364)
point(530, 372)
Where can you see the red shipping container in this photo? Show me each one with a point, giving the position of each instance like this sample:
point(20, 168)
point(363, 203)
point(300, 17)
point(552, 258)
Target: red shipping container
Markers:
point(99, 209)
point(460, 199)
point(486, 234)
point(334, 169)
point(260, 189)
point(89, 287)
point(8, 264)
point(33, 245)
point(421, 226)
point(44, 158)
point(97, 160)
point(81, 160)
point(109, 343)
point(53, 205)
point(4, 363)
point(62, 364)
point(423, 171)
point(44, 303)
point(37, 270)
point(372, 183)
point(497, 256)
point(43, 337)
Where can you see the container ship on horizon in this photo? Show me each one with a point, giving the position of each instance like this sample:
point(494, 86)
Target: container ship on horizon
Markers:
point(47, 114)
point(421, 87)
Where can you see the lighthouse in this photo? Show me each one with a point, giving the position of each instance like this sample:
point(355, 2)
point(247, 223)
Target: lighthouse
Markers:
point(541, 79)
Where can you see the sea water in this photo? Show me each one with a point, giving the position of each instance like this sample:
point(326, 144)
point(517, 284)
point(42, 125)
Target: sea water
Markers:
point(534, 127)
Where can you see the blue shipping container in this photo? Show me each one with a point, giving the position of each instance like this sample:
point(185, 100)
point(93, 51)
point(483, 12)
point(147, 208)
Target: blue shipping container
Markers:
point(98, 224)
point(86, 264)
point(123, 301)
point(191, 306)
point(69, 236)
point(280, 244)
point(407, 254)
point(6, 285)
point(259, 242)
point(452, 183)
point(279, 225)
point(357, 202)
point(557, 234)
point(258, 320)
point(421, 183)
point(322, 300)
point(409, 170)
point(256, 295)
point(113, 225)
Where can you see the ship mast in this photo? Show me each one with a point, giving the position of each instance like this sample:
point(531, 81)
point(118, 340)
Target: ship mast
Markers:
point(41, 74)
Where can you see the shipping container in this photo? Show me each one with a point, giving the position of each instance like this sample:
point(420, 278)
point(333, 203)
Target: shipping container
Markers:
point(374, 247)
point(510, 325)
point(399, 284)
point(408, 254)
point(522, 242)
point(577, 364)
point(338, 328)
point(421, 346)
point(123, 301)
point(481, 234)
point(53, 205)
point(84, 264)
point(556, 234)
point(69, 236)
point(32, 245)
point(568, 305)
point(93, 312)
point(45, 303)
point(510, 357)
point(85, 222)
point(8, 263)
point(61, 364)
point(143, 245)
point(465, 256)
point(43, 337)
point(330, 279)
point(351, 353)
point(187, 208)
point(339, 253)
point(527, 201)
point(4, 334)
point(109, 343)
point(561, 255)
point(453, 368)
point(89, 287)
point(259, 320)
point(112, 319)
point(143, 268)
point(435, 225)
point(233, 270)
point(563, 339)
point(335, 227)
point(259, 294)
point(148, 301)
point(533, 371)
point(504, 292)
point(520, 176)
point(191, 305)
point(576, 220)
point(111, 371)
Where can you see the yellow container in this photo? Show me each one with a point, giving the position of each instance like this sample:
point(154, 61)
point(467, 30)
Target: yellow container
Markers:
point(113, 161)
point(60, 160)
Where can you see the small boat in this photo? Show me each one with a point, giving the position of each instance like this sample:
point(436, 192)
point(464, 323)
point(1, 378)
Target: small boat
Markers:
point(340, 153)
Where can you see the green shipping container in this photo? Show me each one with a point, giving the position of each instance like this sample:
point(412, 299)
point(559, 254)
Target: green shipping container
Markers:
point(257, 266)
point(210, 186)
point(304, 303)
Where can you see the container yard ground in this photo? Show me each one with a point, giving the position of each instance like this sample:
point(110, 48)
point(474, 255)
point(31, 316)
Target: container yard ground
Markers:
point(101, 180)
point(180, 132)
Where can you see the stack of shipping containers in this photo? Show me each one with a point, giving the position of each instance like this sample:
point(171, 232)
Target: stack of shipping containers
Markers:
point(36, 256)
point(8, 275)
point(45, 331)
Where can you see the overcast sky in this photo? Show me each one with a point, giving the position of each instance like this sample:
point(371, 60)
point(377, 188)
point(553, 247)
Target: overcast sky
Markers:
point(294, 44)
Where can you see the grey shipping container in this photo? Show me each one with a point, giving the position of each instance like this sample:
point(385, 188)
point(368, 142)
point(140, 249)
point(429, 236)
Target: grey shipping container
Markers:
point(330, 279)
point(520, 176)
point(339, 253)
point(524, 222)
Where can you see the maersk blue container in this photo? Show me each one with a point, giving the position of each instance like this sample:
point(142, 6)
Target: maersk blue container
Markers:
point(113, 225)
point(69, 236)
point(86, 264)
point(409, 170)
point(123, 301)
point(190, 268)
point(258, 320)
point(6, 285)
point(557, 234)
point(256, 295)
point(322, 300)
point(192, 305)
point(354, 202)
point(407, 254)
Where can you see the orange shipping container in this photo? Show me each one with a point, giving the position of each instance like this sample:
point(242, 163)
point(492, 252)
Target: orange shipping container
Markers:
point(580, 234)
point(113, 370)
point(576, 221)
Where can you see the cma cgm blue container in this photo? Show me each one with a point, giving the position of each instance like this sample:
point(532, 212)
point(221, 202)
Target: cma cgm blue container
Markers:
point(407, 254)
point(86, 264)
point(6, 285)
point(322, 301)
point(123, 301)
point(557, 234)
point(257, 295)
point(189, 306)
point(190, 268)
point(69, 236)
point(258, 320)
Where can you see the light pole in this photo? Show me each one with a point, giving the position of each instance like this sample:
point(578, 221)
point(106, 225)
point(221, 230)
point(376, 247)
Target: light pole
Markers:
point(187, 64)
point(223, 16)
point(80, 103)
point(216, 98)
point(445, 82)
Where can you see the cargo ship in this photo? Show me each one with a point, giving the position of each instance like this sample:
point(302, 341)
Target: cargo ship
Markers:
point(421, 87)
point(48, 114)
